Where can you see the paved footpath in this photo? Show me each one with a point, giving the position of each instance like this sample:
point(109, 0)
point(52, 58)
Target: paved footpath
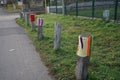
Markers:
point(18, 58)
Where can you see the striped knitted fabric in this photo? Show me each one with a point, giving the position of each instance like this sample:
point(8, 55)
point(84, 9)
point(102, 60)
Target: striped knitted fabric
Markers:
point(84, 46)
point(40, 22)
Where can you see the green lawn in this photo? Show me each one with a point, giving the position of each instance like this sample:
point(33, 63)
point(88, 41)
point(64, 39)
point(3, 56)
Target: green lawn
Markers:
point(105, 57)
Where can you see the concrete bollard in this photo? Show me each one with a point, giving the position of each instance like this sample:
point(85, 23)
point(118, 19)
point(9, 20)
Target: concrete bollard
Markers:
point(57, 36)
point(83, 53)
point(32, 20)
point(40, 22)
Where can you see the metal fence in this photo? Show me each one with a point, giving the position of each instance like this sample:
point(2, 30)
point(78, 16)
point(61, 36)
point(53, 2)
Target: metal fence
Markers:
point(87, 8)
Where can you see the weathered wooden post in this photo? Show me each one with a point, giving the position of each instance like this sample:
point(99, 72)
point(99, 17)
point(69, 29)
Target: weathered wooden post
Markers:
point(32, 20)
point(27, 18)
point(57, 36)
point(106, 15)
point(22, 16)
point(40, 22)
point(83, 53)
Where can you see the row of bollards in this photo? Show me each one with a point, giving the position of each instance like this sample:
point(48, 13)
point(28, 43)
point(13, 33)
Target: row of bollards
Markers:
point(29, 19)
point(84, 44)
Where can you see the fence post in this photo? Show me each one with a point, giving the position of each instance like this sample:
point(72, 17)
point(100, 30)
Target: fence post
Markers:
point(76, 7)
point(116, 10)
point(93, 8)
point(57, 36)
point(63, 7)
point(56, 7)
point(83, 53)
point(40, 22)
point(45, 4)
point(49, 6)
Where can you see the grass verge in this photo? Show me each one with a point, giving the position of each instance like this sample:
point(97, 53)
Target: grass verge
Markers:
point(105, 57)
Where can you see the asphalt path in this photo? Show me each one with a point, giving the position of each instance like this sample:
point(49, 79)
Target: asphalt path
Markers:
point(18, 58)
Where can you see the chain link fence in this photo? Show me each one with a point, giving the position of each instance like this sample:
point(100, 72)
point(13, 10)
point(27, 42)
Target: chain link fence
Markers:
point(86, 8)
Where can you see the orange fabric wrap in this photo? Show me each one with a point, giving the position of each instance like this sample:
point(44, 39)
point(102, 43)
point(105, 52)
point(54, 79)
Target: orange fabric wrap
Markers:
point(88, 48)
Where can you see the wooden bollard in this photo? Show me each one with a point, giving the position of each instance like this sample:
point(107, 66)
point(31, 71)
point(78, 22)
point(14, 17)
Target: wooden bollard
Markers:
point(57, 36)
point(40, 22)
point(27, 18)
point(32, 20)
point(22, 16)
point(106, 15)
point(83, 53)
